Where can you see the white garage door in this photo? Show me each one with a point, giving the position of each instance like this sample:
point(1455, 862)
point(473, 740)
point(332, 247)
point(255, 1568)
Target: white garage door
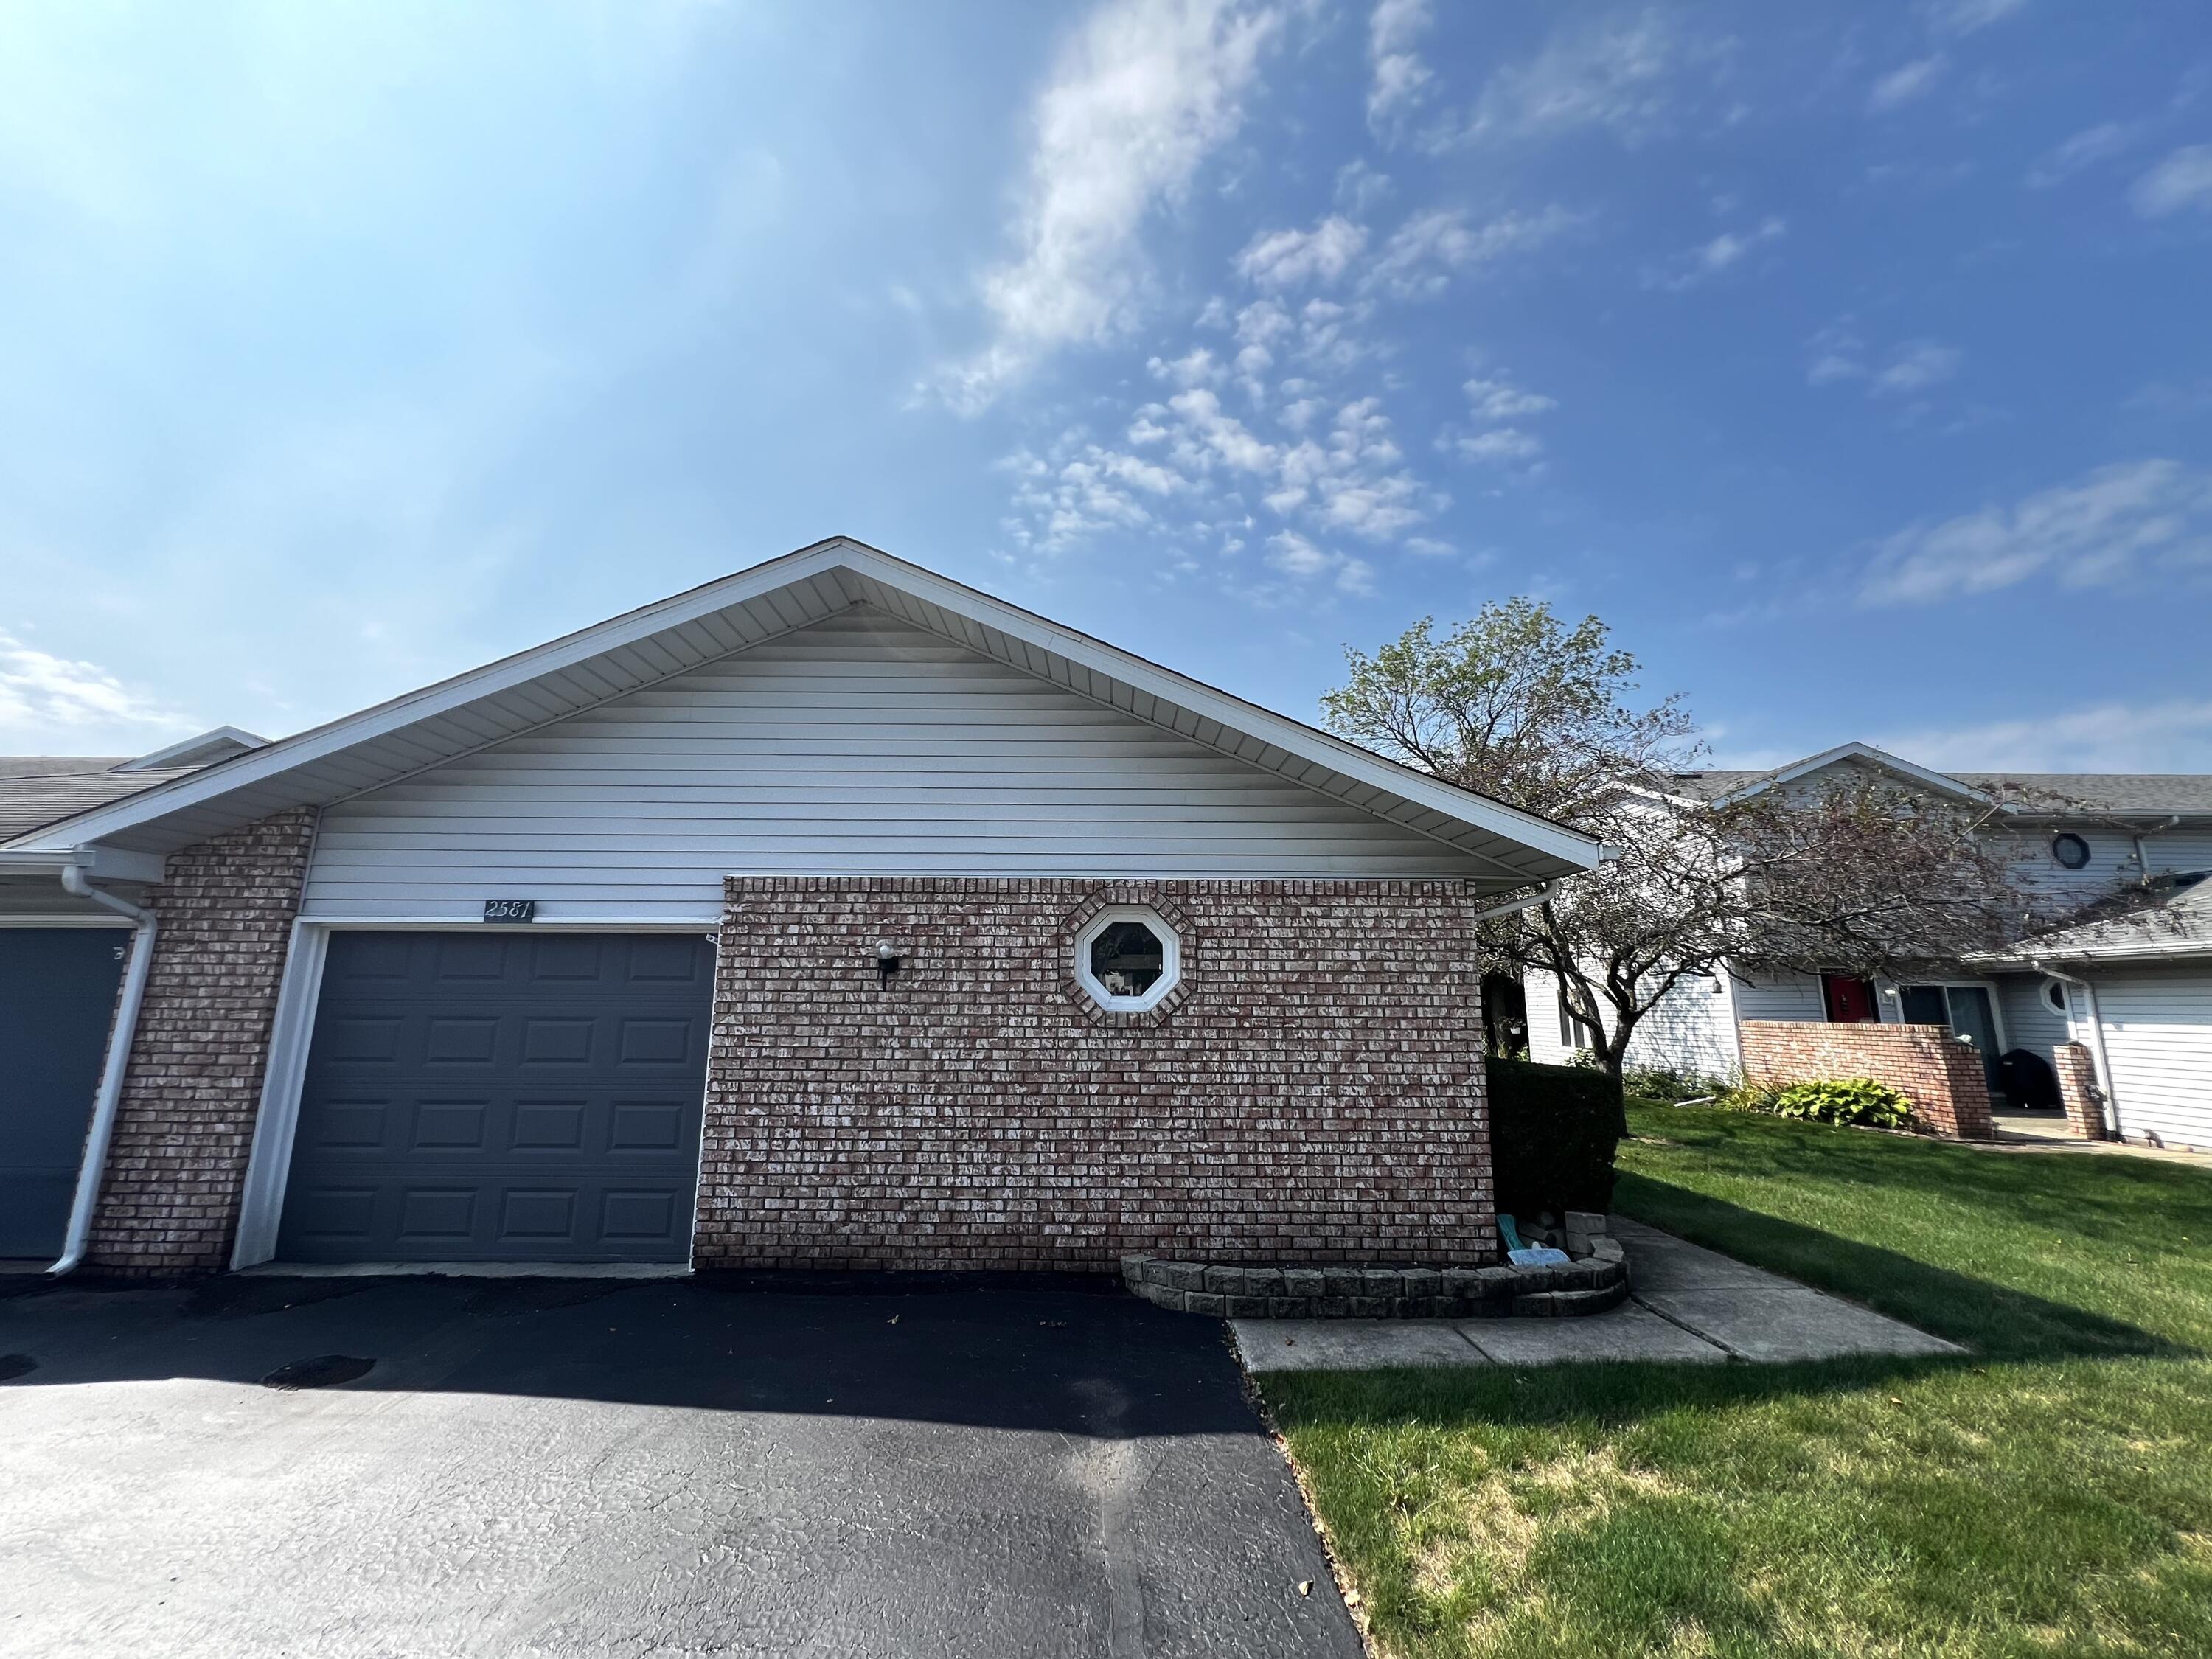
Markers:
point(2158, 1037)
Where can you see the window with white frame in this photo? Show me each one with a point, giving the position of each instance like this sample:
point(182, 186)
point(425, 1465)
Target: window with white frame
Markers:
point(1128, 958)
point(1575, 1034)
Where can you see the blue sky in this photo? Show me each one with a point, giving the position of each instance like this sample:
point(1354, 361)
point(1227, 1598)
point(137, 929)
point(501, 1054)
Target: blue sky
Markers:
point(1854, 363)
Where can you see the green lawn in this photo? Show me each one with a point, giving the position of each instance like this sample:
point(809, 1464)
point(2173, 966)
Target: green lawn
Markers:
point(2050, 1495)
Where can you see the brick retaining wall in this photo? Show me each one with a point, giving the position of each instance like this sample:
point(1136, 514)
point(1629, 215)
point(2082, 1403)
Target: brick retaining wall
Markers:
point(1942, 1076)
point(1314, 1095)
point(169, 1203)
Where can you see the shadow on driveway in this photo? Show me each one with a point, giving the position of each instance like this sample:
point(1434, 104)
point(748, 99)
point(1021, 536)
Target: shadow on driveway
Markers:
point(654, 1467)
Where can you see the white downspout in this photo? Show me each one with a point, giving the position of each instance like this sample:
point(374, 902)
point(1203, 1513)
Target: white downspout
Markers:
point(93, 1166)
point(2096, 1041)
point(1515, 907)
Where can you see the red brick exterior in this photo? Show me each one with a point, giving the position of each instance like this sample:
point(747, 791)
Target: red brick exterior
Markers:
point(2077, 1090)
point(1315, 1095)
point(1940, 1075)
point(169, 1203)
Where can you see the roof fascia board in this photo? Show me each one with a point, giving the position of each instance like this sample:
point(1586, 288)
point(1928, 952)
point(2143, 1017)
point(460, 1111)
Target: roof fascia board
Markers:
point(179, 753)
point(104, 863)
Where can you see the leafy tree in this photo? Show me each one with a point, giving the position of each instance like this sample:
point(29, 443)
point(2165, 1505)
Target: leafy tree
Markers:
point(1865, 876)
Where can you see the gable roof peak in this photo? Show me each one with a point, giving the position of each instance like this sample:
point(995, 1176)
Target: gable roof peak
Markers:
point(427, 728)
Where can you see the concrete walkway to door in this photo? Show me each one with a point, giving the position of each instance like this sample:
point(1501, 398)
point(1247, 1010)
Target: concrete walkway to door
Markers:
point(1688, 1304)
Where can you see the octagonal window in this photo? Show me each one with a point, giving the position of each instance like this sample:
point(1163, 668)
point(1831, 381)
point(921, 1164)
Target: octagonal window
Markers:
point(1127, 958)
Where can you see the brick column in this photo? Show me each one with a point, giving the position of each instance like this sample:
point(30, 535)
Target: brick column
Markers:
point(2077, 1089)
point(169, 1203)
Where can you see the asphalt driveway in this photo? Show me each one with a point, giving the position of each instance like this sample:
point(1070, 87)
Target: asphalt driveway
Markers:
point(641, 1468)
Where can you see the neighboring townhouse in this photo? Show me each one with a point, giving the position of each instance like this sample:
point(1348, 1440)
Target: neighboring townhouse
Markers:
point(2092, 839)
point(2136, 982)
point(830, 914)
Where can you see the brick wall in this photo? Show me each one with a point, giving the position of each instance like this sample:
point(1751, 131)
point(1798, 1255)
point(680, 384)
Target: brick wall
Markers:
point(1942, 1076)
point(2077, 1090)
point(169, 1203)
point(1314, 1093)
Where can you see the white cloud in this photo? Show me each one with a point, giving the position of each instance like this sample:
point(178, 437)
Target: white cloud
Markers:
point(52, 703)
point(1909, 368)
point(1494, 398)
point(1498, 399)
point(2084, 149)
point(1906, 82)
point(1360, 187)
point(1196, 367)
point(1302, 561)
point(1224, 435)
point(1422, 256)
point(1610, 75)
point(1505, 443)
point(1286, 258)
point(2111, 737)
point(1725, 249)
point(2183, 179)
point(1401, 78)
point(2099, 530)
point(1958, 17)
point(1142, 94)
point(1711, 258)
point(1914, 366)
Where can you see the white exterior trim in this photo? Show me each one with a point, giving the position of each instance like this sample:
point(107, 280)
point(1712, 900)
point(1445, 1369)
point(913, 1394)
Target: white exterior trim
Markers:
point(261, 1200)
point(1170, 958)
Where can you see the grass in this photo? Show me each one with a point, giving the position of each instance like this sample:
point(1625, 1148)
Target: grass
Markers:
point(2050, 1495)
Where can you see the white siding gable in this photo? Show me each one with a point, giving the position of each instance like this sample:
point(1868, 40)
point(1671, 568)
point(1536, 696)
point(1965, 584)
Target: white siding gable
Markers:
point(858, 745)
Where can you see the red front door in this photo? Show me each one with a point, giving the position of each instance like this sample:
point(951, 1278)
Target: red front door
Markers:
point(1850, 1001)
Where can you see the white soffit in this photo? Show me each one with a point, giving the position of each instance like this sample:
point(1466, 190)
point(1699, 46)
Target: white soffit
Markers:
point(563, 677)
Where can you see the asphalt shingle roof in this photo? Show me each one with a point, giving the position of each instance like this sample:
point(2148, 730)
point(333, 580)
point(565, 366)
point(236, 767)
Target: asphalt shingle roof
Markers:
point(2132, 795)
point(36, 790)
point(2177, 921)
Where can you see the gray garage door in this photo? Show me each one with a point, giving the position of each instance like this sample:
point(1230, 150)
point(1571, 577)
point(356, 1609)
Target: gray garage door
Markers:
point(502, 1097)
point(56, 994)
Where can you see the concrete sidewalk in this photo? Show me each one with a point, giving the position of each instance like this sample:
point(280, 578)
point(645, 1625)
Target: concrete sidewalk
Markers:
point(1689, 1305)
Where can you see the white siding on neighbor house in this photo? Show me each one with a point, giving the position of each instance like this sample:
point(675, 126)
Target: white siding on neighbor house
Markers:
point(1542, 991)
point(1779, 994)
point(2029, 1021)
point(2112, 863)
point(858, 745)
point(2158, 1037)
point(1691, 1029)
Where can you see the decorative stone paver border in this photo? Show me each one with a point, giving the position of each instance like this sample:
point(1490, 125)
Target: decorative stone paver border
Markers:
point(1596, 1280)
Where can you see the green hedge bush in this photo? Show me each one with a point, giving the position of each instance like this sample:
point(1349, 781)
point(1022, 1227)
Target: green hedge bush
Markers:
point(1552, 1132)
point(1854, 1100)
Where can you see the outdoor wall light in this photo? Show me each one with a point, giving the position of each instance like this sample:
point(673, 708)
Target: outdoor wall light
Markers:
point(887, 962)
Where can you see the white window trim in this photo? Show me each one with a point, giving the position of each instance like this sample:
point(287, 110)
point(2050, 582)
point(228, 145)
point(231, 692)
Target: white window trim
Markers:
point(1170, 958)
